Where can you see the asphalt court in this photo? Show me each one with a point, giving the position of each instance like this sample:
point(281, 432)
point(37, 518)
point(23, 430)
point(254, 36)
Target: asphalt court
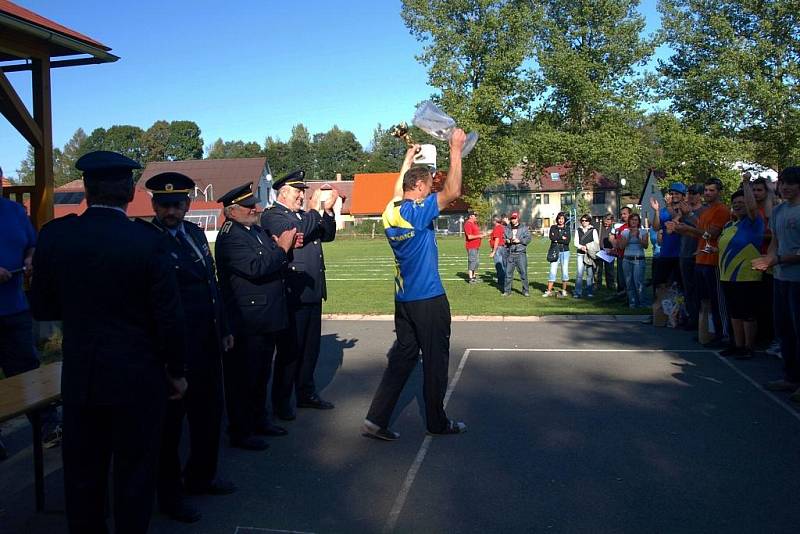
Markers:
point(574, 426)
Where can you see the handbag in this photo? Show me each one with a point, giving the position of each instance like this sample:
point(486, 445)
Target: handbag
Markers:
point(552, 253)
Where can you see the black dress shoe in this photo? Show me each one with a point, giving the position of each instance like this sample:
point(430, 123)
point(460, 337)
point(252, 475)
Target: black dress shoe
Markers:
point(182, 512)
point(269, 429)
point(250, 443)
point(315, 402)
point(217, 487)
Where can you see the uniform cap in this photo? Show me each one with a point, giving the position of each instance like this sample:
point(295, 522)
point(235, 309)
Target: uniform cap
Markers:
point(105, 164)
point(295, 179)
point(170, 187)
point(678, 187)
point(242, 195)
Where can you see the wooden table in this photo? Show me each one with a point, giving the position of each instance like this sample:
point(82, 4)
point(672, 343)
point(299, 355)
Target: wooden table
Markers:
point(27, 394)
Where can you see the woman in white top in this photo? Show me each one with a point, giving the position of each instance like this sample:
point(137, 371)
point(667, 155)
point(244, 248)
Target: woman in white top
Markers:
point(587, 242)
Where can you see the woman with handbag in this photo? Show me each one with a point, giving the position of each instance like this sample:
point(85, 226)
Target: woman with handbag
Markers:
point(587, 243)
point(558, 254)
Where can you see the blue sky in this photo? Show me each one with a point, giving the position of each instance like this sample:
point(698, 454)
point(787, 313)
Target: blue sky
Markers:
point(244, 69)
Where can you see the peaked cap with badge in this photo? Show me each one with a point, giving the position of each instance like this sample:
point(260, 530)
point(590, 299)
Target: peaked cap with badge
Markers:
point(103, 164)
point(242, 195)
point(295, 179)
point(170, 187)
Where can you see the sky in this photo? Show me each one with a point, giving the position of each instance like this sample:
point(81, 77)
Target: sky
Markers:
point(242, 70)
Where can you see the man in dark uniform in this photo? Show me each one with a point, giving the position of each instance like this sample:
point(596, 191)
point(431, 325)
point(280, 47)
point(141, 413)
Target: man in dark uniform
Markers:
point(251, 264)
point(104, 277)
point(187, 249)
point(298, 350)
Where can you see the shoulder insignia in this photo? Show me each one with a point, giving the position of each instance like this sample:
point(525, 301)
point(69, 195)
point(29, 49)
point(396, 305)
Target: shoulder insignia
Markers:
point(226, 227)
point(148, 223)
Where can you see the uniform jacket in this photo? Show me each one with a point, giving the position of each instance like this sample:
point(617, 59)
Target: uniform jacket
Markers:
point(202, 305)
point(105, 278)
point(251, 268)
point(524, 236)
point(305, 276)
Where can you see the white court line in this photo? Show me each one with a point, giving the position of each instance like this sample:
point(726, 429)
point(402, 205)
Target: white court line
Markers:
point(791, 411)
point(257, 529)
point(400, 501)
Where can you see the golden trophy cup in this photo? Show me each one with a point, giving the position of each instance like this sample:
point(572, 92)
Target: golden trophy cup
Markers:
point(401, 132)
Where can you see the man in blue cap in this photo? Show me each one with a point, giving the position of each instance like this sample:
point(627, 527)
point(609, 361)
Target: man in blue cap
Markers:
point(251, 262)
point(667, 267)
point(106, 279)
point(298, 350)
point(187, 249)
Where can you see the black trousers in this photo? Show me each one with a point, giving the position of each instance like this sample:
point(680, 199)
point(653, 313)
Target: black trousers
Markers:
point(95, 436)
point(690, 291)
point(248, 367)
point(420, 325)
point(298, 353)
point(787, 325)
point(202, 406)
point(766, 325)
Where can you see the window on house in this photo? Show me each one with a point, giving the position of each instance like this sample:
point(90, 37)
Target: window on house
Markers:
point(537, 198)
point(566, 199)
point(554, 176)
point(512, 199)
point(546, 198)
point(599, 197)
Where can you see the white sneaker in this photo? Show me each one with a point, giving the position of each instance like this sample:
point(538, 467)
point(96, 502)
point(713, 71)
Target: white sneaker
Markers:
point(563, 293)
point(546, 294)
point(774, 349)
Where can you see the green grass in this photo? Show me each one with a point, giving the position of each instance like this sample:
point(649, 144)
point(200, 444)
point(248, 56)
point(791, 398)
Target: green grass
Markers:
point(360, 275)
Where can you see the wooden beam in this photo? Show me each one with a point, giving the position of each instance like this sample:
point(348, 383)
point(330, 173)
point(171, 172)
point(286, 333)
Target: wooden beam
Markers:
point(42, 197)
point(54, 64)
point(14, 110)
point(22, 45)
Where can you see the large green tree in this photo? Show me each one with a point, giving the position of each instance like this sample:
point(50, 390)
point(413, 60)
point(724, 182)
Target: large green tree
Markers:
point(125, 139)
point(477, 55)
point(300, 150)
point(735, 71)
point(591, 55)
point(337, 152)
point(172, 141)
point(234, 149)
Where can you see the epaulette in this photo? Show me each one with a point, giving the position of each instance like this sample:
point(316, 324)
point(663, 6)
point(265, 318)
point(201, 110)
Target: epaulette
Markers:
point(226, 227)
point(149, 223)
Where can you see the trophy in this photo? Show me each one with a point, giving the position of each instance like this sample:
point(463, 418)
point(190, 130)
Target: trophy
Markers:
point(401, 132)
point(707, 249)
point(432, 120)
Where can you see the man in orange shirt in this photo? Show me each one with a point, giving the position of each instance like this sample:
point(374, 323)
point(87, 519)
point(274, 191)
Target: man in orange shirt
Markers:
point(709, 227)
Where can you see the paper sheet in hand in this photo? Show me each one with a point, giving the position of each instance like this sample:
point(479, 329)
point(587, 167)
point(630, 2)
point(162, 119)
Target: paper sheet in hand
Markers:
point(605, 256)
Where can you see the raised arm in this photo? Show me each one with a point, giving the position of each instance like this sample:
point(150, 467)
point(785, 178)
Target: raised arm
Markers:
point(452, 187)
point(408, 161)
point(749, 200)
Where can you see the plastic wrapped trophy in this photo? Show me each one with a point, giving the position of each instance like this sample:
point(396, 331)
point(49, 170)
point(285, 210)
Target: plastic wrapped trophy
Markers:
point(426, 154)
point(432, 120)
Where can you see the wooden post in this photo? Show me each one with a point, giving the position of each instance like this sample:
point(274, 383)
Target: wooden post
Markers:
point(42, 197)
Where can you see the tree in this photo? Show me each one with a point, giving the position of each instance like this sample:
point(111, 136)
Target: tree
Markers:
point(385, 152)
point(735, 71)
point(172, 141)
point(337, 151)
point(277, 153)
point(234, 149)
point(300, 153)
point(124, 139)
point(26, 171)
point(64, 161)
point(476, 52)
point(589, 53)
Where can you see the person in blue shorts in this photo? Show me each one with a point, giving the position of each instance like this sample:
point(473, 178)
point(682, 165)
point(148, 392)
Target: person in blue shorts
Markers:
point(422, 312)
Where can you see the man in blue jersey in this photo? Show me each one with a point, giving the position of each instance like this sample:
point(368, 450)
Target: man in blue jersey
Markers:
point(421, 312)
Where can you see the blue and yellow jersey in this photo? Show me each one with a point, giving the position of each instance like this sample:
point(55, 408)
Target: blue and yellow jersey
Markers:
point(412, 236)
point(739, 243)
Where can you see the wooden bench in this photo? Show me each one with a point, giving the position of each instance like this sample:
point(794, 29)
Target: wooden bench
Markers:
point(27, 394)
